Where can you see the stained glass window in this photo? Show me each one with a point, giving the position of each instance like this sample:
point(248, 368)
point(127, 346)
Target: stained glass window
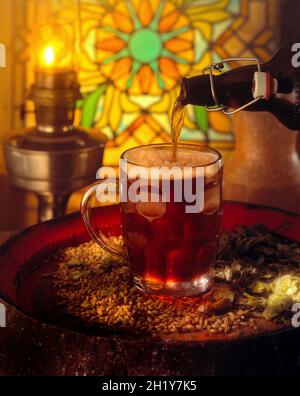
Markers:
point(134, 53)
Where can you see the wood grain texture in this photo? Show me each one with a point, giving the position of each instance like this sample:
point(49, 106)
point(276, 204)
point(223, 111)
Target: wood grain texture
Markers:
point(31, 346)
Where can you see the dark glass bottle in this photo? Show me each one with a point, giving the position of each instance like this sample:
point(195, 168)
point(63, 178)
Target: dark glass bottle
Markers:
point(237, 87)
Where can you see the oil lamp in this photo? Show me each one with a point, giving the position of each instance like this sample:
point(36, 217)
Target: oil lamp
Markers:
point(54, 158)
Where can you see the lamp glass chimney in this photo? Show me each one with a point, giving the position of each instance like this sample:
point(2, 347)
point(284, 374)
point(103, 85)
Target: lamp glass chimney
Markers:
point(55, 40)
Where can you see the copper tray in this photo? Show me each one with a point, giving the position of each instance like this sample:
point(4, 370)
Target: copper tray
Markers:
point(39, 341)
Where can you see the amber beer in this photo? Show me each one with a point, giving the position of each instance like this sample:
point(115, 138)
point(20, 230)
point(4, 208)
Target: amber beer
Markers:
point(170, 224)
point(170, 250)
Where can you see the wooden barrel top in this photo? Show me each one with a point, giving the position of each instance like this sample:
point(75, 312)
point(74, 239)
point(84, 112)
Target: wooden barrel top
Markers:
point(19, 264)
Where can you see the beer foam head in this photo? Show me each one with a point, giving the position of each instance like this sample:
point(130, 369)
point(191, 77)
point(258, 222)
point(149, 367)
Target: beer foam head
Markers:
point(162, 156)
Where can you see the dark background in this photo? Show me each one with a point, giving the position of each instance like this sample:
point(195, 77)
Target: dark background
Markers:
point(290, 20)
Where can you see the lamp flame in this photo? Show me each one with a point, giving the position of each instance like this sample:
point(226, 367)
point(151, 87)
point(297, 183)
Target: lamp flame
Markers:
point(49, 56)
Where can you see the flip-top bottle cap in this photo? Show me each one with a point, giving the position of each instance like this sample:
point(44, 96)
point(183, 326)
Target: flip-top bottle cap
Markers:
point(264, 85)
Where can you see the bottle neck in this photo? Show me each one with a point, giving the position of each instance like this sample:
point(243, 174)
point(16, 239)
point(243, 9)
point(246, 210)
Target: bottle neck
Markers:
point(231, 89)
point(196, 91)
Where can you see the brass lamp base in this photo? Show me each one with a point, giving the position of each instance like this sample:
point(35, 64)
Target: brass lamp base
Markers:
point(54, 158)
point(53, 167)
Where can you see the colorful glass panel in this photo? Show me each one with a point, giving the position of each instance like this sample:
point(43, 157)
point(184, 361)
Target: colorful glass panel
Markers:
point(134, 53)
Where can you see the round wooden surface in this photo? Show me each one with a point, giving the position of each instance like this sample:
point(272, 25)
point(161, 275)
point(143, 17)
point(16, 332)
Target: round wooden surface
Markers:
point(196, 353)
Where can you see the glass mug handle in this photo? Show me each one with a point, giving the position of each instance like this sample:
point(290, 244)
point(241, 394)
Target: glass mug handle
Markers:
point(97, 235)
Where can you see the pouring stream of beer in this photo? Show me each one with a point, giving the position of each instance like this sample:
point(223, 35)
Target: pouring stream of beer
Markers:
point(176, 124)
